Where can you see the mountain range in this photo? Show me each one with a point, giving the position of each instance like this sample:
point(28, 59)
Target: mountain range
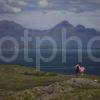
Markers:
point(10, 28)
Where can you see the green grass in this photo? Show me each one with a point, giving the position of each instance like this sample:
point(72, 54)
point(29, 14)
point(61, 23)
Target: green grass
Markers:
point(81, 94)
point(17, 82)
point(14, 77)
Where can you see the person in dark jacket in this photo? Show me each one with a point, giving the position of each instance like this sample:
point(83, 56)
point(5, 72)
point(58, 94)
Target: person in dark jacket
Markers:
point(77, 68)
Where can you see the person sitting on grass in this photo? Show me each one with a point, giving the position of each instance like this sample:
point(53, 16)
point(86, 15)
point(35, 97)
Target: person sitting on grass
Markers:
point(82, 70)
point(77, 68)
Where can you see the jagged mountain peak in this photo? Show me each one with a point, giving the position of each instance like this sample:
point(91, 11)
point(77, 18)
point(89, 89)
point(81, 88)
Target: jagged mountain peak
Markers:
point(80, 27)
point(65, 23)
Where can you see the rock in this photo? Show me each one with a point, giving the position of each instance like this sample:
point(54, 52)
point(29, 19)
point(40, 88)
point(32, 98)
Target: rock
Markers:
point(59, 88)
point(78, 82)
point(54, 90)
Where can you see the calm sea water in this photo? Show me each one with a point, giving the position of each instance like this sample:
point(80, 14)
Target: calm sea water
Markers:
point(56, 64)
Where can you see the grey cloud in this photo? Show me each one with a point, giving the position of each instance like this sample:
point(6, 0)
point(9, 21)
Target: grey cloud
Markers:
point(76, 5)
point(11, 6)
point(15, 6)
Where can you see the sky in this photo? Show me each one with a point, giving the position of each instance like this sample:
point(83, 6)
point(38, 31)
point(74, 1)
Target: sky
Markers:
point(45, 14)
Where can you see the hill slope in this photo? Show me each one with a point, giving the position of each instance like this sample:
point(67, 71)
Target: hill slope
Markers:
point(18, 82)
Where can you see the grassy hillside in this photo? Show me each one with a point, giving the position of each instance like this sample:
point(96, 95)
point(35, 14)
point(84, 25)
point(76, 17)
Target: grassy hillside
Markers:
point(22, 83)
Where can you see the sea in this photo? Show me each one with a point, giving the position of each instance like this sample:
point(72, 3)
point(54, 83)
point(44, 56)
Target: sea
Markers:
point(56, 64)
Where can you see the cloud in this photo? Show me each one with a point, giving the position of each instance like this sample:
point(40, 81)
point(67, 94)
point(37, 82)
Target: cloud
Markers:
point(94, 1)
point(77, 6)
point(22, 3)
point(11, 6)
point(16, 10)
point(43, 3)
